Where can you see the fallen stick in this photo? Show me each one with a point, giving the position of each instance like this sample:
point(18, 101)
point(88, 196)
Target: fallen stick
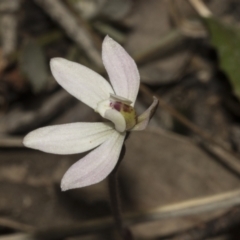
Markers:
point(186, 208)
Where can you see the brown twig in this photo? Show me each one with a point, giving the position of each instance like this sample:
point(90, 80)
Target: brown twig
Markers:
point(15, 225)
point(10, 142)
point(200, 8)
point(171, 40)
point(193, 29)
point(73, 27)
point(30, 119)
point(230, 158)
point(8, 25)
point(212, 228)
point(185, 208)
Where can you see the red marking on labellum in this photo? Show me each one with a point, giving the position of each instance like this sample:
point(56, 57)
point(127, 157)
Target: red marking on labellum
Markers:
point(119, 106)
point(127, 112)
point(116, 105)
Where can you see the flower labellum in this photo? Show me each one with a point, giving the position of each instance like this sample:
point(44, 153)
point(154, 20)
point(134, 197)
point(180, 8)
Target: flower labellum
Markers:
point(114, 103)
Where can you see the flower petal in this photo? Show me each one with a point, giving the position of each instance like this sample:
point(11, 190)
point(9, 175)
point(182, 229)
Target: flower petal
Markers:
point(80, 81)
point(68, 138)
point(96, 165)
point(121, 68)
point(145, 117)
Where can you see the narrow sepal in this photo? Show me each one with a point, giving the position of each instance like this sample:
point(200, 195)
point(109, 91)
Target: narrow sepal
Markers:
point(68, 138)
point(144, 118)
point(80, 81)
point(96, 165)
point(122, 69)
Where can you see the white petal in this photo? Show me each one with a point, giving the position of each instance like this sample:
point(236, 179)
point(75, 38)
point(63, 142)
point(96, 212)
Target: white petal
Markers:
point(80, 81)
point(96, 165)
point(121, 68)
point(68, 138)
point(144, 118)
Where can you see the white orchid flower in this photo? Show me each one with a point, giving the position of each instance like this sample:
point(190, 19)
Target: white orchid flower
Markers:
point(115, 104)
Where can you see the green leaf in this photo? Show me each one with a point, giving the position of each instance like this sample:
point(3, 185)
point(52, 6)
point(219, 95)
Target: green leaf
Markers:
point(226, 40)
point(34, 66)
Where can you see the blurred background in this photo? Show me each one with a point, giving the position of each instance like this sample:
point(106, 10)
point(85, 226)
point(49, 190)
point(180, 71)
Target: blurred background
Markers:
point(180, 177)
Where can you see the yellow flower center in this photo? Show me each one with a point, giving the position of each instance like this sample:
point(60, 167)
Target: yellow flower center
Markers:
point(127, 111)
